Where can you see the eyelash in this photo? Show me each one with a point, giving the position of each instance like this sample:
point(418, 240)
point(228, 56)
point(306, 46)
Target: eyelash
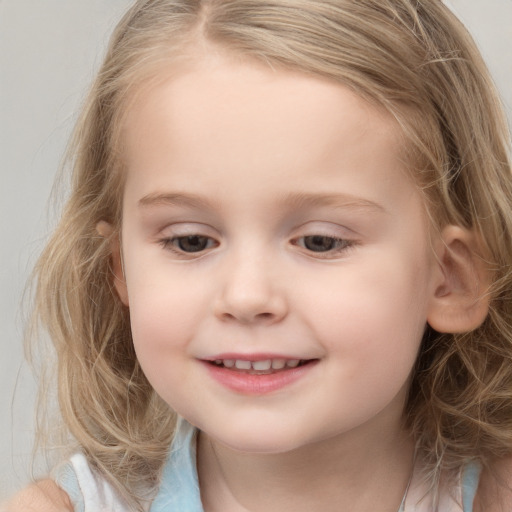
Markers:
point(171, 244)
point(336, 245)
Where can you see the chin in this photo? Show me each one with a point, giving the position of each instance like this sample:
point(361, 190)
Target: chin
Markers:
point(262, 441)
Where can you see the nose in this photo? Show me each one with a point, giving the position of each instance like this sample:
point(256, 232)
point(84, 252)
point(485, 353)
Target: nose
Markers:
point(250, 292)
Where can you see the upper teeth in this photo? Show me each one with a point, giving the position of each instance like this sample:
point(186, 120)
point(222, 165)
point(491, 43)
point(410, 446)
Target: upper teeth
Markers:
point(243, 364)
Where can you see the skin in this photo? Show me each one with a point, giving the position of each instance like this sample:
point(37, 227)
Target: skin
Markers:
point(43, 496)
point(256, 162)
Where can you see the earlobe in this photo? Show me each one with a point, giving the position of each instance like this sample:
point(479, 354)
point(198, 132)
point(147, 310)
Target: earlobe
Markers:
point(460, 301)
point(106, 231)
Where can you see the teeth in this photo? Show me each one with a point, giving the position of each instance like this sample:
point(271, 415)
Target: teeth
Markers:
point(243, 365)
point(262, 366)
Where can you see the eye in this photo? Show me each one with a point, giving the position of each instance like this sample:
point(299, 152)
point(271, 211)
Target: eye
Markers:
point(322, 243)
point(189, 244)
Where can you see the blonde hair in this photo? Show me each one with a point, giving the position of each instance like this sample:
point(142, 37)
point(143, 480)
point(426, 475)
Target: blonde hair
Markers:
point(411, 57)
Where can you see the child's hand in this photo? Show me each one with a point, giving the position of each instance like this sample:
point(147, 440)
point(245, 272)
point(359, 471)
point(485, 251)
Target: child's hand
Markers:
point(43, 496)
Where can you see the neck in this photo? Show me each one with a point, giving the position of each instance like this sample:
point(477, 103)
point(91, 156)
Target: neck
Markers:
point(351, 472)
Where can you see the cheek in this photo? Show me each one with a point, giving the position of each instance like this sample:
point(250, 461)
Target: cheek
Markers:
point(374, 318)
point(161, 320)
point(163, 312)
point(162, 326)
point(162, 295)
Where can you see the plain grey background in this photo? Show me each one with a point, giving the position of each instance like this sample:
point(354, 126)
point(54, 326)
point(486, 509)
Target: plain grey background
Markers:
point(49, 50)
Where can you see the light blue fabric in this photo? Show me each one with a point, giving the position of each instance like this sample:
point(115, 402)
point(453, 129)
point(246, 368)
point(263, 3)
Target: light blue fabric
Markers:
point(470, 478)
point(86, 488)
point(66, 479)
point(179, 490)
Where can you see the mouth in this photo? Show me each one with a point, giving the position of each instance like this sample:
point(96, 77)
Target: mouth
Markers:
point(260, 367)
point(258, 375)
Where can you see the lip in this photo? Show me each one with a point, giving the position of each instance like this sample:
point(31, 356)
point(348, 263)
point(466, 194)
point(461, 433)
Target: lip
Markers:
point(256, 384)
point(260, 356)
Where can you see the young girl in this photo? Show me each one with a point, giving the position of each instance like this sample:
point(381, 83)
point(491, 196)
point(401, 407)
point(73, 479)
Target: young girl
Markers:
point(282, 279)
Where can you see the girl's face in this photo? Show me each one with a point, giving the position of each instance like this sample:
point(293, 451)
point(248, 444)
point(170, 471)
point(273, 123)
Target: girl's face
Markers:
point(269, 222)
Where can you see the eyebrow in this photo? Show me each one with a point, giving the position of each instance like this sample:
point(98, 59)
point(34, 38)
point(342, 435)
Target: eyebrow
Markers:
point(293, 201)
point(311, 200)
point(175, 199)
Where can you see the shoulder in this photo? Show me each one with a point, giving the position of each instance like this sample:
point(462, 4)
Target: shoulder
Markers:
point(43, 496)
point(495, 488)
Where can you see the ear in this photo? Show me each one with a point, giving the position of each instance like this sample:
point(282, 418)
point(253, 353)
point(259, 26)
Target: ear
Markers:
point(460, 302)
point(106, 231)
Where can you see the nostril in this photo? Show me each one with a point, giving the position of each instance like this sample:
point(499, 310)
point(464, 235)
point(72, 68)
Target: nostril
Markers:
point(250, 307)
point(247, 317)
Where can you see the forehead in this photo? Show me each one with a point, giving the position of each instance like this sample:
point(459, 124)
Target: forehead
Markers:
point(223, 115)
point(214, 84)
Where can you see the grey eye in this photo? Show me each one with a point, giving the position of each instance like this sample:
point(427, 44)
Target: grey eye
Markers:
point(194, 243)
point(319, 243)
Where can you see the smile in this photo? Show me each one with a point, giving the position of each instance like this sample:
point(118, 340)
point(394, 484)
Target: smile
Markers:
point(263, 367)
point(258, 375)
